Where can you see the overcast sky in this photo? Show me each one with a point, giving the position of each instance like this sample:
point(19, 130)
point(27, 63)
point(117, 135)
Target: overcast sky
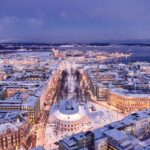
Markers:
point(74, 20)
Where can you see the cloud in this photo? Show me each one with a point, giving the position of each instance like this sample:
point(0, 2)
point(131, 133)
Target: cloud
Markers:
point(40, 14)
point(63, 15)
point(1, 28)
point(9, 22)
point(98, 18)
point(9, 40)
point(35, 22)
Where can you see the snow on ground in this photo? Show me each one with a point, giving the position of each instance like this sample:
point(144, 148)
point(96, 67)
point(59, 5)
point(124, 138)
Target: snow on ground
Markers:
point(102, 115)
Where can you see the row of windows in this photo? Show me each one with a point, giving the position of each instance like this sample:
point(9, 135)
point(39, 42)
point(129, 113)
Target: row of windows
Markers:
point(128, 99)
point(66, 129)
point(67, 125)
point(10, 108)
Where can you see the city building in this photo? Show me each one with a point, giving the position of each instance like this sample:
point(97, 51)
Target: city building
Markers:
point(127, 101)
point(14, 129)
point(70, 115)
point(130, 133)
point(30, 104)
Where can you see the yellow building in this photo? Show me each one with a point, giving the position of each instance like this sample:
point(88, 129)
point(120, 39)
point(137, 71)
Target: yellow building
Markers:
point(11, 91)
point(127, 102)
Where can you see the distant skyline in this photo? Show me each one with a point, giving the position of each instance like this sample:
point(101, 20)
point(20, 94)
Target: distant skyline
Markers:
point(74, 20)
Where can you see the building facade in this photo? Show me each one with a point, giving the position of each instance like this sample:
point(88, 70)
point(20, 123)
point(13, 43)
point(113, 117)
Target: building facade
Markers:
point(127, 102)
